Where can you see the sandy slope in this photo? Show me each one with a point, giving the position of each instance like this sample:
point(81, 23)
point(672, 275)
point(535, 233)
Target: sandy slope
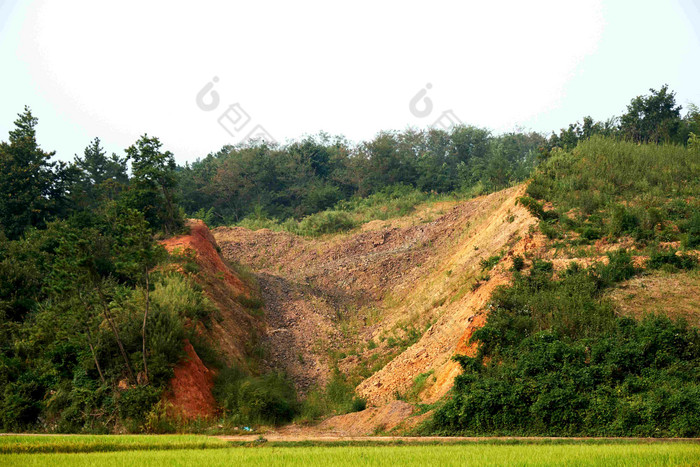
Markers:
point(382, 280)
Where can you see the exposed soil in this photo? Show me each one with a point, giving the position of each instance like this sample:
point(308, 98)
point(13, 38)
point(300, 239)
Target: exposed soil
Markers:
point(674, 295)
point(341, 292)
point(234, 329)
point(190, 389)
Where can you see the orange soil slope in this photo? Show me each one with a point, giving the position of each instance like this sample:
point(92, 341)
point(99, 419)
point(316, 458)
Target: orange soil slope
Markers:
point(236, 328)
point(190, 393)
point(230, 333)
point(498, 226)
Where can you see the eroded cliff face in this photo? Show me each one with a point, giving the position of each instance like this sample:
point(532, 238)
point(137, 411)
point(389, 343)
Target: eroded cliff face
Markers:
point(420, 272)
point(231, 332)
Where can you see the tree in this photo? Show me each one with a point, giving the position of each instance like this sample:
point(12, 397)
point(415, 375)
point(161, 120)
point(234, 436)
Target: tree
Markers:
point(153, 183)
point(100, 176)
point(32, 188)
point(137, 254)
point(652, 118)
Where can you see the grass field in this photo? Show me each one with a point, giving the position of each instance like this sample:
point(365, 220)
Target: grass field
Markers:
point(201, 450)
point(104, 443)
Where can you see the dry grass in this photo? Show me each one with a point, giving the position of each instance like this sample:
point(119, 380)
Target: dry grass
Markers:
point(674, 295)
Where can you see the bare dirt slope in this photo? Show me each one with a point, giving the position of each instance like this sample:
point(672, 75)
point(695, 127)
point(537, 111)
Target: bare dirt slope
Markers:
point(235, 327)
point(388, 282)
point(232, 330)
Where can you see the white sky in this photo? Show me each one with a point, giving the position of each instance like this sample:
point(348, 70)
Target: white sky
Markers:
point(120, 69)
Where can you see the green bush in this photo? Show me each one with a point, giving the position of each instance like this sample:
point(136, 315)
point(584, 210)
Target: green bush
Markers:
point(490, 262)
point(136, 402)
point(270, 398)
point(337, 397)
point(518, 263)
point(554, 359)
point(618, 269)
point(622, 221)
point(670, 257)
point(266, 399)
point(178, 294)
point(549, 230)
point(326, 222)
point(691, 229)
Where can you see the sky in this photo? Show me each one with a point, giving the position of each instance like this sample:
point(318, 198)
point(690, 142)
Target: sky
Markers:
point(203, 74)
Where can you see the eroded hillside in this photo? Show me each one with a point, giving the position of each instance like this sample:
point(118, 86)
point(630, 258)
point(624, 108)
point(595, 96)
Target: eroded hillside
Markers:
point(232, 329)
point(387, 303)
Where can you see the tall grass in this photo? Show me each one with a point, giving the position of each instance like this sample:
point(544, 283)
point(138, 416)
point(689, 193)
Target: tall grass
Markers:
point(618, 188)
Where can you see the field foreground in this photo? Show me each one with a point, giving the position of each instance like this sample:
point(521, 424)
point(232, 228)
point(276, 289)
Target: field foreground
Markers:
point(204, 450)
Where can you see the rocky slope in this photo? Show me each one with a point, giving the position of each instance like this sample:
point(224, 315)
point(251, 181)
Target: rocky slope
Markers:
point(382, 284)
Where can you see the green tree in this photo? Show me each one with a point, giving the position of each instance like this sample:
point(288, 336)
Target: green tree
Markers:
point(153, 183)
point(101, 177)
point(652, 118)
point(32, 188)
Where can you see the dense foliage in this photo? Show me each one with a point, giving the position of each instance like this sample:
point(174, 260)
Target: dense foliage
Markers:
point(83, 344)
point(320, 173)
point(555, 360)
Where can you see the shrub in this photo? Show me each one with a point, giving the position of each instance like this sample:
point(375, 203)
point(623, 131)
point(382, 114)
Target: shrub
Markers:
point(358, 404)
point(326, 222)
point(618, 269)
point(159, 420)
point(490, 262)
point(553, 359)
point(590, 233)
point(518, 263)
point(670, 257)
point(549, 230)
point(542, 266)
point(266, 399)
point(622, 221)
point(337, 397)
point(136, 402)
point(691, 228)
point(180, 295)
point(270, 398)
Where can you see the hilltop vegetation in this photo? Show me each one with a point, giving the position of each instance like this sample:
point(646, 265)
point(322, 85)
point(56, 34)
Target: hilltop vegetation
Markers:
point(554, 356)
point(318, 173)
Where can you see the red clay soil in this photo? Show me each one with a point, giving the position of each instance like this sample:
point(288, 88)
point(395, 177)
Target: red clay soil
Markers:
point(230, 332)
point(190, 389)
point(234, 329)
point(203, 244)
